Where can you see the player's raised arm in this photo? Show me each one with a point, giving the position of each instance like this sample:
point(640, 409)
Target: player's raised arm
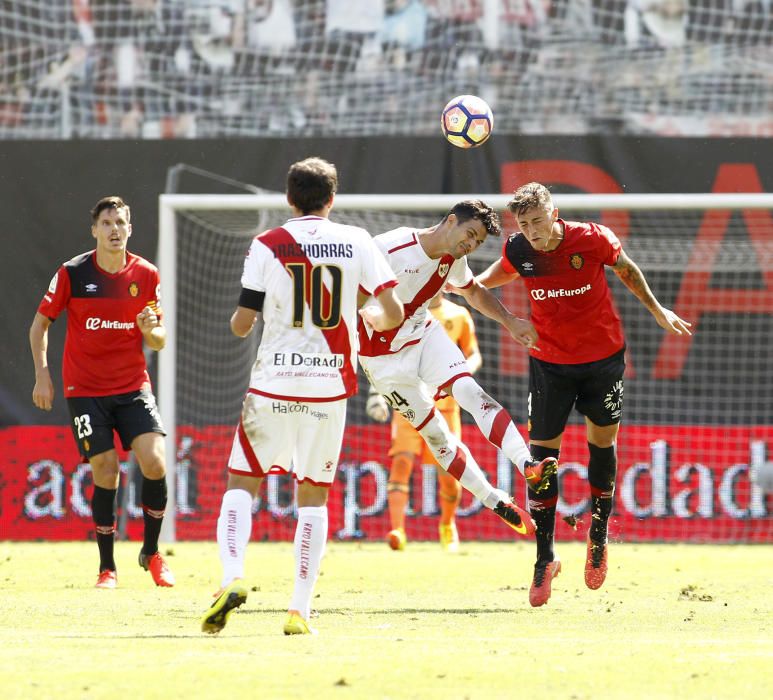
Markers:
point(43, 391)
point(480, 298)
point(633, 278)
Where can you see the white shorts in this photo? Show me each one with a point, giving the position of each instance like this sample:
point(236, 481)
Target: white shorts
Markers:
point(277, 436)
point(409, 379)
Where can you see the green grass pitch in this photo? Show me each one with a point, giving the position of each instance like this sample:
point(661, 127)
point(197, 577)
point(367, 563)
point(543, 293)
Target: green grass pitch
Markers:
point(672, 621)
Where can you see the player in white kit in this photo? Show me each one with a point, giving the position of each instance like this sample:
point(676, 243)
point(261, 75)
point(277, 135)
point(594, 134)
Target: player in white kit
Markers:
point(412, 364)
point(304, 277)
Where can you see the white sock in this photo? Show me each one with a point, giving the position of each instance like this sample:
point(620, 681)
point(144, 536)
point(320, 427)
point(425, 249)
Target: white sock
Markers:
point(492, 419)
point(233, 532)
point(309, 546)
point(454, 457)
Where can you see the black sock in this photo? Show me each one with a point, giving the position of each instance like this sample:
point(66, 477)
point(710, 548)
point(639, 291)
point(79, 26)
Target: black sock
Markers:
point(542, 507)
point(103, 514)
point(153, 506)
point(602, 470)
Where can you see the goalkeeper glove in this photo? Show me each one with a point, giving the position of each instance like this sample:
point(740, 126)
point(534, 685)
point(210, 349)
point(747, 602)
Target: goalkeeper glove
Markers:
point(376, 407)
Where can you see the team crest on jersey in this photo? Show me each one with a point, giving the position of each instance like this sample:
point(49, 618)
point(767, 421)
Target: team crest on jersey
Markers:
point(442, 270)
point(134, 289)
point(576, 261)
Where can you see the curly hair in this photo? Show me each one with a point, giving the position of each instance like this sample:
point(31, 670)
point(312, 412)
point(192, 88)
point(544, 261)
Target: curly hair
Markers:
point(477, 209)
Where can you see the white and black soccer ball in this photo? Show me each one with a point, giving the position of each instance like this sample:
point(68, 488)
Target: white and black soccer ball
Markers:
point(467, 121)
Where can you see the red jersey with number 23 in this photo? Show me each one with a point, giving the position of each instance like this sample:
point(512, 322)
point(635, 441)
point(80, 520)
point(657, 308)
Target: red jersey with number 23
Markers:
point(103, 352)
point(571, 304)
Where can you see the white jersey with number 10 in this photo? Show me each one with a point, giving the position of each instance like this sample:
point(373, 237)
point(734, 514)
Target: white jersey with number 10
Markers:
point(311, 270)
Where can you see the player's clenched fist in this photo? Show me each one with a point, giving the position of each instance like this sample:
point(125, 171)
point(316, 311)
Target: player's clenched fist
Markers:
point(147, 319)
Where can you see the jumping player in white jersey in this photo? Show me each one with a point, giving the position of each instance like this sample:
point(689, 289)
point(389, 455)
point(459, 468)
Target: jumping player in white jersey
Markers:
point(411, 365)
point(305, 278)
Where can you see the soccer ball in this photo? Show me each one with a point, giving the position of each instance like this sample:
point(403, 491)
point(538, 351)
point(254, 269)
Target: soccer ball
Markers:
point(467, 121)
point(762, 476)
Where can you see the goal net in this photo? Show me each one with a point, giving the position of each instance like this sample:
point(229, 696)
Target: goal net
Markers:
point(697, 410)
point(245, 68)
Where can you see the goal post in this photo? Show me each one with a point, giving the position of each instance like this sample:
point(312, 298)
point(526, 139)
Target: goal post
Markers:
point(697, 410)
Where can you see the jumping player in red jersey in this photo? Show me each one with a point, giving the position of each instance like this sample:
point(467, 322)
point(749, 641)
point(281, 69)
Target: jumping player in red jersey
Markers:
point(112, 301)
point(580, 359)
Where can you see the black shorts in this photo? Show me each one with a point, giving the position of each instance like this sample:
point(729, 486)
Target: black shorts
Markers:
point(594, 388)
point(96, 418)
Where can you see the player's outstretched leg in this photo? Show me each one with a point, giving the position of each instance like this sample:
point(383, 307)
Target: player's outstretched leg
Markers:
point(454, 458)
point(498, 427)
point(226, 601)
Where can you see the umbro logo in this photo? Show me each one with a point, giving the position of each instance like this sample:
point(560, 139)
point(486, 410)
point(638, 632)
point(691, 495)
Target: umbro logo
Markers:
point(91, 287)
point(527, 266)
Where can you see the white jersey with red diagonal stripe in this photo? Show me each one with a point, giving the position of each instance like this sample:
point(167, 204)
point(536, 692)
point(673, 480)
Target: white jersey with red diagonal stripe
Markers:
point(420, 278)
point(311, 270)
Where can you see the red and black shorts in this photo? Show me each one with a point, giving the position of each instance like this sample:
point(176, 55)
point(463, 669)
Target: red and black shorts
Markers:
point(595, 389)
point(95, 419)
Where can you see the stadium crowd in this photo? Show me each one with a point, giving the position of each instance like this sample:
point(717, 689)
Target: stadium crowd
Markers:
point(220, 68)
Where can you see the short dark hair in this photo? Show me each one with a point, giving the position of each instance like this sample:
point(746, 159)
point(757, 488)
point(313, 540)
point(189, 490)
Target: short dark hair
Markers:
point(111, 202)
point(477, 209)
point(529, 196)
point(311, 183)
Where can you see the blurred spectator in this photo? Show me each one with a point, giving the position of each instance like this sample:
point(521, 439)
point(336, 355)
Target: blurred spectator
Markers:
point(217, 29)
point(661, 22)
point(405, 25)
point(454, 36)
point(348, 25)
point(270, 25)
point(520, 23)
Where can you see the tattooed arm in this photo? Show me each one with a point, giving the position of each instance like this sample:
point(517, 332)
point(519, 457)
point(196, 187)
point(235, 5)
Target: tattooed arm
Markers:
point(631, 276)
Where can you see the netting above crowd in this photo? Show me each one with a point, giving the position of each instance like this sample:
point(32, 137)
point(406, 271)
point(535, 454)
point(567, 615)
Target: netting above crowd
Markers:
point(246, 68)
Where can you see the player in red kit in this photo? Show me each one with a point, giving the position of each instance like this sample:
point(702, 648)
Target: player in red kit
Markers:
point(112, 301)
point(580, 359)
